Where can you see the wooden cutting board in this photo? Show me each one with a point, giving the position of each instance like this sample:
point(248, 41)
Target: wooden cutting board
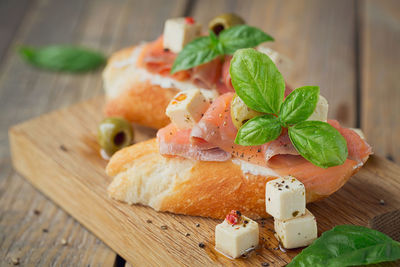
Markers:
point(58, 153)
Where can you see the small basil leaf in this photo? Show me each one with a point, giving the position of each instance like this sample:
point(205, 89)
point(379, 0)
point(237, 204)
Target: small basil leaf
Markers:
point(299, 105)
point(348, 245)
point(257, 80)
point(258, 131)
point(319, 142)
point(62, 58)
point(199, 51)
point(242, 36)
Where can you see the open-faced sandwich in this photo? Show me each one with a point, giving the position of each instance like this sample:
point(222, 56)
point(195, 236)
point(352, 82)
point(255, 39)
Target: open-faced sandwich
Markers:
point(140, 81)
point(217, 156)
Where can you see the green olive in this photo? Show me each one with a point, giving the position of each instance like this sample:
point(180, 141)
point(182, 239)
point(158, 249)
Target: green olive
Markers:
point(114, 134)
point(224, 21)
point(241, 113)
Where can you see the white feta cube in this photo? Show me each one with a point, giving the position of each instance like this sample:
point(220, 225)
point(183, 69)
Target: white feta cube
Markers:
point(236, 240)
point(285, 198)
point(321, 111)
point(297, 232)
point(359, 132)
point(180, 31)
point(187, 108)
point(283, 63)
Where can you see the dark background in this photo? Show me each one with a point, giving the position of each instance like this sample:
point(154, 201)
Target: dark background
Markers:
point(351, 49)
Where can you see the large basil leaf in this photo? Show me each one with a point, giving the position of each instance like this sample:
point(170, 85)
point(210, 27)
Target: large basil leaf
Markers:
point(319, 142)
point(62, 58)
point(257, 80)
point(348, 245)
point(299, 105)
point(242, 36)
point(199, 51)
point(258, 131)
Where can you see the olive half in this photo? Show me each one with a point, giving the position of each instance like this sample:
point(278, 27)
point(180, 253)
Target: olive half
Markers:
point(241, 113)
point(224, 21)
point(114, 134)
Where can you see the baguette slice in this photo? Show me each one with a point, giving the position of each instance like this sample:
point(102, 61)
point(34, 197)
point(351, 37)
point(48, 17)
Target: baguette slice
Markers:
point(184, 186)
point(132, 97)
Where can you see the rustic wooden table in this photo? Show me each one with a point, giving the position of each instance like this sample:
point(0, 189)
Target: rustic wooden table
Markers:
point(349, 48)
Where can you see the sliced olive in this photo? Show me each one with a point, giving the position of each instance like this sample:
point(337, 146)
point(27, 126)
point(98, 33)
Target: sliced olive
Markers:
point(224, 21)
point(241, 113)
point(114, 134)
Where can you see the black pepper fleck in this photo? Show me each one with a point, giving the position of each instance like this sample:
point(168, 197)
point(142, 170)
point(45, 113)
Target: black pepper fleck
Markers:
point(286, 186)
point(201, 244)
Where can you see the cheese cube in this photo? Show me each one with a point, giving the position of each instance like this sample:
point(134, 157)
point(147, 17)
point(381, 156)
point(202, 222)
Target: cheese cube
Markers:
point(187, 108)
point(321, 111)
point(359, 132)
point(236, 240)
point(285, 198)
point(178, 32)
point(283, 63)
point(297, 232)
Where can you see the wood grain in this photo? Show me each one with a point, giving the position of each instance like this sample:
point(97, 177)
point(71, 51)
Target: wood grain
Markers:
point(318, 36)
point(81, 190)
point(380, 57)
point(26, 92)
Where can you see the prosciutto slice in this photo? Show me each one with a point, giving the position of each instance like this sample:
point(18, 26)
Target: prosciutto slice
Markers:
point(176, 142)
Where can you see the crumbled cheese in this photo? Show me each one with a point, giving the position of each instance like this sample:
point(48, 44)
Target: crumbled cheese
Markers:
point(178, 32)
point(297, 232)
point(321, 111)
point(283, 63)
point(187, 108)
point(285, 198)
point(236, 240)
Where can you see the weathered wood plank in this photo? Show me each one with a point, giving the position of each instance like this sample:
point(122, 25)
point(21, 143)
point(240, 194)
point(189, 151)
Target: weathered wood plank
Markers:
point(380, 72)
point(317, 35)
point(26, 92)
point(125, 228)
point(12, 13)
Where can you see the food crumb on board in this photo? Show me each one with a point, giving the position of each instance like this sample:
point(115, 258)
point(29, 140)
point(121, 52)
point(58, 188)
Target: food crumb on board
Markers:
point(64, 242)
point(63, 148)
point(45, 230)
point(149, 221)
point(36, 212)
point(164, 227)
point(197, 225)
point(201, 244)
point(187, 234)
point(15, 260)
point(265, 264)
point(382, 202)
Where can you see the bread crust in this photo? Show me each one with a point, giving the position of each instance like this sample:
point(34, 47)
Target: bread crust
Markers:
point(184, 186)
point(129, 97)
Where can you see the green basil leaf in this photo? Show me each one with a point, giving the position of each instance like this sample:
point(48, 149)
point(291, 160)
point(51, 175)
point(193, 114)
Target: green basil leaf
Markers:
point(348, 245)
point(62, 58)
point(242, 36)
point(319, 142)
point(258, 131)
point(199, 51)
point(257, 80)
point(299, 105)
